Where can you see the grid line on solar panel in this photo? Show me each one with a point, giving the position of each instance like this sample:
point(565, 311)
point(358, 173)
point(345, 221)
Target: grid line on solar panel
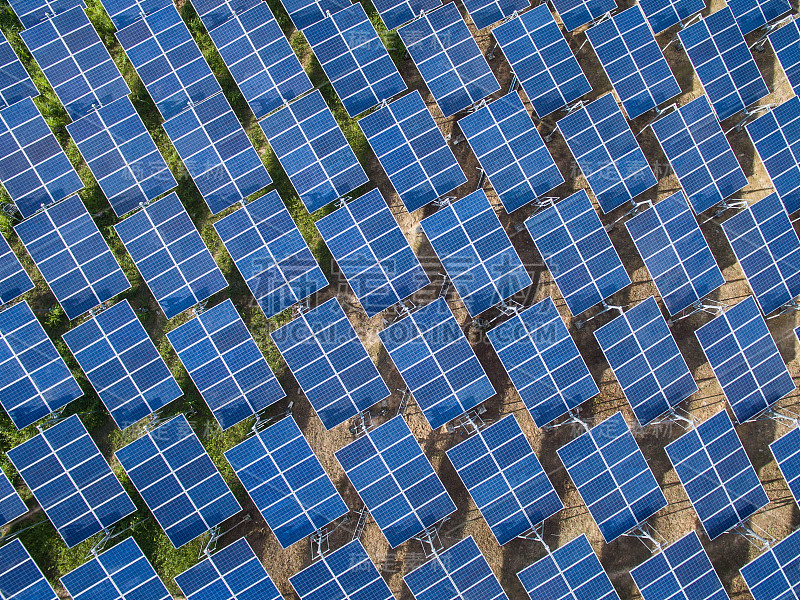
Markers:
point(125, 12)
point(487, 12)
point(752, 14)
point(785, 450)
point(11, 505)
point(575, 13)
point(786, 44)
point(14, 280)
point(20, 578)
point(663, 14)
point(307, 12)
point(372, 252)
point(15, 83)
point(773, 575)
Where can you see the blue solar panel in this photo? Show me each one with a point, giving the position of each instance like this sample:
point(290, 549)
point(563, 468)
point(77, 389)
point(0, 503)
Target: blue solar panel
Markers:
point(511, 151)
point(612, 477)
point(71, 481)
point(786, 43)
point(72, 256)
point(700, 154)
point(395, 481)
point(354, 59)
point(11, 505)
point(34, 169)
point(476, 252)
point(768, 249)
point(717, 475)
point(437, 363)
point(330, 363)
point(607, 152)
point(14, 280)
point(372, 252)
point(15, 83)
point(225, 364)
point(487, 12)
point(307, 12)
point(505, 479)
point(313, 151)
point(177, 480)
point(271, 254)
point(723, 62)
point(786, 451)
point(31, 12)
point(752, 14)
point(412, 150)
point(214, 13)
point(448, 59)
point(20, 578)
point(773, 575)
point(663, 14)
point(122, 364)
point(397, 12)
point(541, 58)
point(286, 482)
point(122, 156)
point(125, 12)
point(75, 62)
point(575, 13)
point(578, 252)
point(675, 253)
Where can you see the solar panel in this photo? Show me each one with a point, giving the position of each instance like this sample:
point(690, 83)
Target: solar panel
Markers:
point(752, 14)
point(487, 12)
point(785, 43)
point(542, 60)
point(663, 14)
point(20, 578)
point(575, 13)
point(125, 12)
point(72, 256)
point(412, 150)
point(330, 363)
point(785, 450)
point(225, 364)
point(700, 154)
point(570, 572)
point(31, 12)
point(675, 253)
point(505, 479)
point(286, 482)
point(773, 575)
point(578, 252)
point(511, 151)
point(612, 477)
point(768, 249)
point(372, 252)
point(775, 136)
point(395, 481)
point(75, 62)
point(177, 480)
point(437, 363)
point(71, 481)
point(11, 505)
point(122, 364)
point(34, 169)
point(459, 572)
point(122, 156)
point(723, 62)
point(607, 152)
point(15, 83)
point(313, 151)
point(717, 475)
point(476, 252)
point(14, 280)
point(214, 13)
point(448, 59)
point(307, 12)
point(354, 59)
point(681, 570)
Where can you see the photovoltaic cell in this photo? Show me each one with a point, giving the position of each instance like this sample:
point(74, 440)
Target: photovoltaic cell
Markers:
point(11, 505)
point(786, 451)
point(15, 83)
point(330, 363)
point(486, 12)
point(663, 14)
point(125, 12)
point(437, 363)
point(786, 43)
point(286, 482)
point(14, 280)
point(225, 364)
point(20, 578)
point(773, 575)
point(412, 150)
point(575, 13)
point(307, 12)
point(752, 14)
point(578, 252)
point(395, 481)
point(372, 252)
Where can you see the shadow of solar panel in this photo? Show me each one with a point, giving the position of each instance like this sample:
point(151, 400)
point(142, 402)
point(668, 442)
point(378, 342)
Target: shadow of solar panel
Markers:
point(15, 83)
point(372, 252)
point(663, 14)
point(412, 150)
point(717, 475)
point(773, 575)
point(122, 156)
point(511, 151)
point(225, 364)
point(31, 12)
point(448, 59)
point(700, 154)
point(612, 477)
point(723, 62)
point(571, 571)
point(476, 252)
point(20, 578)
point(72, 256)
point(75, 62)
point(395, 481)
point(122, 364)
point(437, 363)
point(487, 12)
point(675, 253)
point(786, 43)
point(34, 169)
point(752, 14)
point(14, 280)
point(542, 60)
point(459, 572)
point(505, 479)
point(307, 12)
point(171, 255)
point(125, 12)
point(11, 505)
point(578, 252)
point(71, 481)
point(286, 482)
point(575, 13)
point(177, 480)
point(313, 151)
point(786, 451)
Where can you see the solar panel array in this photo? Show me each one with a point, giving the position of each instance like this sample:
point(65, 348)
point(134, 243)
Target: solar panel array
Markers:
point(785, 450)
point(14, 280)
point(21, 578)
point(15, 83)
point(11, 505)
point(663, 14)
point(773, 575)
point(752, 14)
point(785, 43)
